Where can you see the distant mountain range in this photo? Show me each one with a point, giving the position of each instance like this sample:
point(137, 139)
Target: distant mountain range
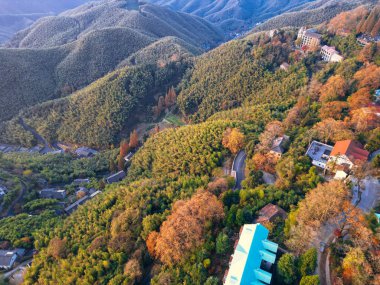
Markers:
point(16, 15)
point(233, 15)
point(59, 54)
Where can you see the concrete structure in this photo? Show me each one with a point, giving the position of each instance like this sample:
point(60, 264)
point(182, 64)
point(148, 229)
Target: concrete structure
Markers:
point(117, 177)
point(272, 33)
point(319, 153)
point(285, 66)
point(347, 154)
point(252, 251)
point(7, 258)
point(52, 193)
point(364, 40)
point(3, 191)
point(76, 204)
point(269, 213)
point(279, 145)
point(81, 192)
point(377, 95)
point(81, 181)
point(85, 152)
point(71, 208)
point(341, 172)
point(309, 38)
point(330, 54)
point(128, 157)
point(378, 217)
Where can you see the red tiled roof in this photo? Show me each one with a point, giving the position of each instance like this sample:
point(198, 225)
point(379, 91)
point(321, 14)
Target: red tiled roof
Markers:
point(269, 211)
point(352, 149)
point(262, 220)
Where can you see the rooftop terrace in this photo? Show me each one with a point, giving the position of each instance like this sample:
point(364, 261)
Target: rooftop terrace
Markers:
point(319, 153)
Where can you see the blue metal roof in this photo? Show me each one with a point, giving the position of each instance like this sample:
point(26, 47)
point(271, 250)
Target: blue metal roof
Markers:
point(252, 248)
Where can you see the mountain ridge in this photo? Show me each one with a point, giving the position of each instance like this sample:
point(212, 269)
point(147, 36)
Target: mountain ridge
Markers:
point(61, 55)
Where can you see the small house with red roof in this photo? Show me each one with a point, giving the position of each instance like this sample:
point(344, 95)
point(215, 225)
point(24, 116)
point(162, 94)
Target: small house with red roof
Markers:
point(269, 213)
point(346, 154)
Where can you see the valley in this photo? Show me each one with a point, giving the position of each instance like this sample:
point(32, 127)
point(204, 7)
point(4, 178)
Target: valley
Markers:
point(140, 146)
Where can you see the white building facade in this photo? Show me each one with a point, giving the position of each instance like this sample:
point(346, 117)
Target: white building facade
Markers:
point(330, 54)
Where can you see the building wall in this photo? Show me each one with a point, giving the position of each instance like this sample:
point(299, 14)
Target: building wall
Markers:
point(310, 41)
point(336, 58)
point(319, 164)
point(340, 160)
point(340, 175)
point(13, 260)
point(326, 56)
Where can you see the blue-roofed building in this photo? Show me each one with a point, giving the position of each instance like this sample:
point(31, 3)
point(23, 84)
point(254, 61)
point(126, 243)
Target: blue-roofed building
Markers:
point(378, 217)
point(252, 250)
point(377, 95)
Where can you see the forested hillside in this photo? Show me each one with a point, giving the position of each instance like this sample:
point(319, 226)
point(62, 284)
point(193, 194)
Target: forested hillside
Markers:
point(314, 13)
point(236, 73)
point(65, 53)
point(96, 115)
point(176, 216)
point(361, 20)
point(241, 71)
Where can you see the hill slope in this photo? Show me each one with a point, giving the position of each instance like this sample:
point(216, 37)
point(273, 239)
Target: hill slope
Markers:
point(237, 73)
point(97, 114)
point(65, 53)
point(313, 13)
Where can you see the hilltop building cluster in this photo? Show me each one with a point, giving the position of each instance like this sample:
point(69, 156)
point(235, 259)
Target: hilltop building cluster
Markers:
point(340, 158)
point(309, 39)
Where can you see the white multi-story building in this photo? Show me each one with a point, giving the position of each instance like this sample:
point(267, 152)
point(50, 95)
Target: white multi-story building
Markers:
point(309, 38)
point(330, 54)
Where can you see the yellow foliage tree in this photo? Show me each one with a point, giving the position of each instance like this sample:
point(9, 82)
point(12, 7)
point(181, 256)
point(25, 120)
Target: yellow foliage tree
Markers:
point(233, 139)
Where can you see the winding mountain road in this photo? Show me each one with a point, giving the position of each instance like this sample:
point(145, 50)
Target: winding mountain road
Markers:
point(238, 168)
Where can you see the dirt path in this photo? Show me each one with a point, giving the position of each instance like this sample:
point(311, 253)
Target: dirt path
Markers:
point(38, 137)
point(10, 211)
point(324, 264)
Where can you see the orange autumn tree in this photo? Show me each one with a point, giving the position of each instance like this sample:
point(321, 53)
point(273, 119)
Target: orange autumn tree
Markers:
point(57, 248)
point(272, 130)
point(348, 20)
point(233, 139)
point(334, 109)
point(134, 139)
point(368, 77)
point(335, 88)
point(365, 119)
point(356, 269)
point(185, 229)
point(326, 204)
point(124, 148)
point(369, 52)
point(170, 98)
point(332, 130)
point(265, 162)
point(359, 99)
